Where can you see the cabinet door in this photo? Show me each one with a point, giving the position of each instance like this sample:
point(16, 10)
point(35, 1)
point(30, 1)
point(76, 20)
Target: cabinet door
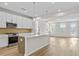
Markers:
point(3, 40)
point(19, 22)
point(24, 23)
point(27, 23)
point(2, 20)
point(14, 17)
point(9, 18)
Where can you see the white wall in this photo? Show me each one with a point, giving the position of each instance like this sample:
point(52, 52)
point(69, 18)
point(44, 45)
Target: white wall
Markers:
point(43, 27)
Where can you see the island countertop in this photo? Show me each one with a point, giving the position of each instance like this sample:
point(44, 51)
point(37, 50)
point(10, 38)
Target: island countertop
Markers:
point(37, 35)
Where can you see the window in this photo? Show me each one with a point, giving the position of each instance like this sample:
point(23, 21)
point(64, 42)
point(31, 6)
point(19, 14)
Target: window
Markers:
point(62, 25)
point(73, 29)
point(73, 25)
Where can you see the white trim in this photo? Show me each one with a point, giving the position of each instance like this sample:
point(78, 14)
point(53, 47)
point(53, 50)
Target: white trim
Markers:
point(36, 50)
point(65, 36)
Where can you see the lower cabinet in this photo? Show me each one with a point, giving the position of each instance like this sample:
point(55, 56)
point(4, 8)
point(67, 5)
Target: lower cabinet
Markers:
point(3, 41)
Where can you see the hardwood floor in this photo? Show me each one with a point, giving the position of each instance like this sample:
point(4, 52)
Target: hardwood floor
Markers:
point(60, 47)
point(56, 47)
point(9, 51)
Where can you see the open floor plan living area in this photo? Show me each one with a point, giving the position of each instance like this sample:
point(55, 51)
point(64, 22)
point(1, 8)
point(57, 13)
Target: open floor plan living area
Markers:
point(39, 29)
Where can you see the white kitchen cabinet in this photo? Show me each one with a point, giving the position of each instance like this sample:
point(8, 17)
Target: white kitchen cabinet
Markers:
point(19, 22)
point(14, 17)
point(24, 23)
point(3, 40)
point(27, 23)
point(2, 20)
point(30, 43)
point(9, 18)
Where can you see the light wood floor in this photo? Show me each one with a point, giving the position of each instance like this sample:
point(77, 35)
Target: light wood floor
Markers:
point(57, 47)
point(60, 47)
point(9, 51)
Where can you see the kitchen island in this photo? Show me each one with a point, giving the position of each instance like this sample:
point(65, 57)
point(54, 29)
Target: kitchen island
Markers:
point(35, 42)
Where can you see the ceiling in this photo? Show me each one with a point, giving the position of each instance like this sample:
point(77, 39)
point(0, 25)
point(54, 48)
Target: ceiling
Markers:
point(39, 9)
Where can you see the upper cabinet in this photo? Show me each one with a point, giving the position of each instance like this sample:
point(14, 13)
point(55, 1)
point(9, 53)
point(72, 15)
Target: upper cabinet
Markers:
point(8, 18)
point(24, 22)
point(11, 18)
point(2, 20)
point(21, 22)
point(27, 23)
point(14, 20)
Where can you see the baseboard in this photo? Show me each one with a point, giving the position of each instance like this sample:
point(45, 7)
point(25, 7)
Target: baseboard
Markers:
point(28, 54)
point(65, 36)
point(3, 47)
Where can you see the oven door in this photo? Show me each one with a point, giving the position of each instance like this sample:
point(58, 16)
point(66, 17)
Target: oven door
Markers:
point(13, 39)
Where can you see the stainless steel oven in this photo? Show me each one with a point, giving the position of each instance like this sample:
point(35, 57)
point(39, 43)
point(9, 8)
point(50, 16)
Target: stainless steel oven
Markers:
point(12, 37)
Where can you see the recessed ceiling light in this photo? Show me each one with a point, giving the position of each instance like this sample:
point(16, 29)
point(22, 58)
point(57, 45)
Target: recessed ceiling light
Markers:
point(5, 3)
point(38, 18)
point(60, 14)
point(53, 2)
point(59, 10)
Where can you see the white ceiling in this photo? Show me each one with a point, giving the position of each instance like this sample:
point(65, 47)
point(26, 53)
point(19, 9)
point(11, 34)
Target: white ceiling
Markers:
point(39, 9)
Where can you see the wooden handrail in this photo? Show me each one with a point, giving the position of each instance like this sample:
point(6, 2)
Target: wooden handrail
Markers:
point(14, 30)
